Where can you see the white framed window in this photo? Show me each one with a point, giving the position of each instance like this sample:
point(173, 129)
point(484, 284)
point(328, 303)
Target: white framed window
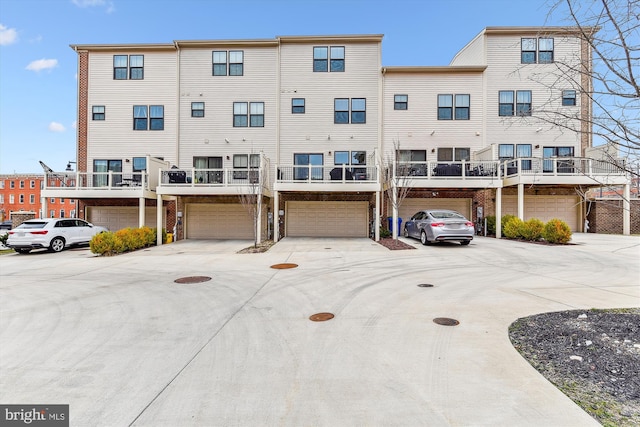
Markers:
point(32, 199)
point(328, 58)
point(569, 98)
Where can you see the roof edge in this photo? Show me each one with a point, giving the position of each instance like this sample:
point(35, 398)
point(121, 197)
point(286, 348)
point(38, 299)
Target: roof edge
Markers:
point(434, 69)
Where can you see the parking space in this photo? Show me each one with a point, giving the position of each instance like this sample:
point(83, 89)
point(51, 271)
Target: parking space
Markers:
point(121, 342)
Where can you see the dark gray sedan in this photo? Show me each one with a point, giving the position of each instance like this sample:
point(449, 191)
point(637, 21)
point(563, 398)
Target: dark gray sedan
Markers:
point(439, 225)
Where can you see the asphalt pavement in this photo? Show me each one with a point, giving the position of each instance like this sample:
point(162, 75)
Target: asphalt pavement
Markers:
point(123, 343)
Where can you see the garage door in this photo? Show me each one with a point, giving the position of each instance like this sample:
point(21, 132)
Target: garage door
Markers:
point(327, 219)
point(119, 217)
point(410, 206)
point(218, 221)
point(545, 208)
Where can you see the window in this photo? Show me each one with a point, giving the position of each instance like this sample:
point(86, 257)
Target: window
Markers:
point(236, 67)
point(236, 63)
point(341, 110)
point(545, 51)
point(358, 110)
point(528, 51)
point(2, 183)
point(21, 184)
point(61, 213)
point(11, 199)
point(139, 117)
point(337, 58)
point(244, 161)
point(156, 114)
point(256, 117)
point(507, 152)
point(21, 199)
point(301, 162)
point(320, 59)
point(297, 106)
point(505, 103)
point(536, 50)
point(53, 200)
point(32, 199)
point(568, 97)
point(353, 158)
point(72, 213)
point(220, 63)
point(62, 201)
point(205, 172)
point(52, 213)
point(136, 67)
point(448, 154)
point(131, 67)
point(341, 158)
point(32, 184)
point(400, 102)
point(323, 56)
point(565, 166)
point(462, 107)
point(97, 112)
point(12, 184)
point(197, 109)
point(523, 102)
point(120, 64)
point(445, 107)
point(1, 198)
point(240, 114)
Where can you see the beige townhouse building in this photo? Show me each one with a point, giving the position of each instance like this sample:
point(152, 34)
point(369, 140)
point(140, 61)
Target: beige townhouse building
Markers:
point(314, 136)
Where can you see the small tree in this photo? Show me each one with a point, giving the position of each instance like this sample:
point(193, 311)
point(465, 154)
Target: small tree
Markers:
point(252, 200)
point(396, 179)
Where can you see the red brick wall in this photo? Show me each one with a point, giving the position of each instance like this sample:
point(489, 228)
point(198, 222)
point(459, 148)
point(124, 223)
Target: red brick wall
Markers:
point(605, 216)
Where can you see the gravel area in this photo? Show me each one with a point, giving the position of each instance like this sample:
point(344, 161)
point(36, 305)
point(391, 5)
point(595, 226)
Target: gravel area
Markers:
point(593, 356)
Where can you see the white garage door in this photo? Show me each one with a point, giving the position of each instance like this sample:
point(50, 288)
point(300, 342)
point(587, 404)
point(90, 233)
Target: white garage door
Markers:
point(218, 221)
point(545, 208)
point(327, 219)
point(118, 217)
point(410, 206)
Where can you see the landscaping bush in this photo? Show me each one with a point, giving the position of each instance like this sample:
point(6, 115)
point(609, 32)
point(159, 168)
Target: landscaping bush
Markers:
point(384, 233)
point(491, 224)
point(3, 238)
point(505, 219)
point(124, 240)
point(556, 231)
point(532, 229)
point(512, 228)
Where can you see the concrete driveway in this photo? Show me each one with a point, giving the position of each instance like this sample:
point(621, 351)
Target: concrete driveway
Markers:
point(123, 344)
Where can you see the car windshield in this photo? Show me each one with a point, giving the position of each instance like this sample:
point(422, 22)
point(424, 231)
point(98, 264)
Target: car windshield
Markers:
point(32, 225)
point(444, 215)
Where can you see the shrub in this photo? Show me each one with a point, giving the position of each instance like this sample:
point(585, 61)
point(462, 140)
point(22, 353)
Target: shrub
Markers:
point(3, 238)
point(556, 231)
point(491, 224)
point(384, 232)
point(505, 219)
point(106, 243)
point(532, 229)
point(512, 228)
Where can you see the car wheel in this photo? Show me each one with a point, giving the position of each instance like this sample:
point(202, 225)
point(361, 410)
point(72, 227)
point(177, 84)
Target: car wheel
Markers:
point(465, 242)
point(406, 232)
point(423, 238)
point(23, 251)
point(57, 244)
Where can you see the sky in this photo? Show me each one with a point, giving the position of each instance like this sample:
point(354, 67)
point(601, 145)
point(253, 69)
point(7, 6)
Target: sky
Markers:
point(38, 69)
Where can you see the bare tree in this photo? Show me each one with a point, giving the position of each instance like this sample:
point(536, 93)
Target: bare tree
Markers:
point(252, 201)
point(603, 72)
point(395, 180)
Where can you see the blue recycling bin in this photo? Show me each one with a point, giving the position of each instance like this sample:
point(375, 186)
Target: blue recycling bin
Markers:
point(390, 219)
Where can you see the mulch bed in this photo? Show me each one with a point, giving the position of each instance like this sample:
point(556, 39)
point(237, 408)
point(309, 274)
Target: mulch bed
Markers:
point(394, 245)
point(593, 356)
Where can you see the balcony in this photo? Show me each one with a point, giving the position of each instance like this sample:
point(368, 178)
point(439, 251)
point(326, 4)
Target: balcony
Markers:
point(110, 184)
point(191, 181)
point(562, 170)
point(337, 178)
point(476, 174)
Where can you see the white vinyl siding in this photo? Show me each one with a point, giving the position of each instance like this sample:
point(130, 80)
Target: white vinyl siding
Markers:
point(115, 136)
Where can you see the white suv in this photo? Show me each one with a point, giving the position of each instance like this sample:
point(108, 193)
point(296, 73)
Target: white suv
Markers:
point(54, 234)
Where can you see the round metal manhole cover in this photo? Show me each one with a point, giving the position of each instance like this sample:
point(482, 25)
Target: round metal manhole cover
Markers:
point(193, 279)
point(321, 317)
point(425, 285)
point(445, 321)
point(284, 266)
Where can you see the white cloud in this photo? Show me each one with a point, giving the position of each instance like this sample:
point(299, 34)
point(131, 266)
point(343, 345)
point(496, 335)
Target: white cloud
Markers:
point(42, 64)
point(88, 3)
point(7, 35)
point(56, 127)
point(74, 124)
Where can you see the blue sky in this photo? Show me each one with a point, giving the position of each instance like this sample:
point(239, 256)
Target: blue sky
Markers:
point(38, 85)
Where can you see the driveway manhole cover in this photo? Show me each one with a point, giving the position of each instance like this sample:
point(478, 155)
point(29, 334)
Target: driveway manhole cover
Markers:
point(193, 279)
point(445, 321)
point(321, 317)
point(425, 285)
point(284, 266)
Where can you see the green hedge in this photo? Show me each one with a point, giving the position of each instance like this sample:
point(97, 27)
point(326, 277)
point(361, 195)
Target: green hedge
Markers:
point(125, 240)
point(554, 231)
